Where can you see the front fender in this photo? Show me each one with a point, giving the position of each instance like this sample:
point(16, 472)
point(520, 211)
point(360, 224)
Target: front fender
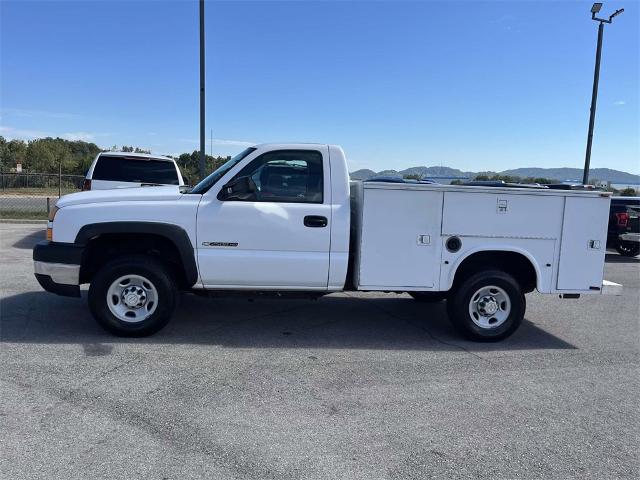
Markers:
point(174, 233)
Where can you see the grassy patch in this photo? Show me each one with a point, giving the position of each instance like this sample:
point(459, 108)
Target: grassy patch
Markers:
point(41, 192)
point(22, 215)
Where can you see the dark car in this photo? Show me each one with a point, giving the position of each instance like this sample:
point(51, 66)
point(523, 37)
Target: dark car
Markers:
point(624, 227)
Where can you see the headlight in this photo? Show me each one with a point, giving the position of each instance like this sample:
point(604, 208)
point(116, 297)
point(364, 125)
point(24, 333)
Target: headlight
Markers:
point(52, 215)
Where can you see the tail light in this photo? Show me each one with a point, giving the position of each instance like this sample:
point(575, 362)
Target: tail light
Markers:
point(86, 185)
point(623, 219)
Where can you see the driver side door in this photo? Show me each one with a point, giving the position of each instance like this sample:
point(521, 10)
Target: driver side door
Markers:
point(276, 237)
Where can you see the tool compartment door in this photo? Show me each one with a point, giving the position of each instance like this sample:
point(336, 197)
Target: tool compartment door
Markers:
point(584, 240)
point(400, 240)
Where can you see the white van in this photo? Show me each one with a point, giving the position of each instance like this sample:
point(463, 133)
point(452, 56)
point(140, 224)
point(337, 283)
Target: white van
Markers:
point(124, 169)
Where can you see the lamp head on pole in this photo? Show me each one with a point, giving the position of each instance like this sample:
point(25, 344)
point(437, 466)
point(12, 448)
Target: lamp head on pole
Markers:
point(595, 9)
point(616, 13)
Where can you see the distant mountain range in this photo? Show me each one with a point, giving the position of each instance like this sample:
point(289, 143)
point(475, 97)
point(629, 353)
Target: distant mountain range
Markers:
point(560, 174)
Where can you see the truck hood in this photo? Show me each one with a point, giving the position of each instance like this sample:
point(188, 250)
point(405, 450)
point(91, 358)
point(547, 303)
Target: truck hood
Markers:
point(170, 192)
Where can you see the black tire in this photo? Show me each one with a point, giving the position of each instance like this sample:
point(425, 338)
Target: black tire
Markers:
point(460, 301)
point(628, 249)
point(140, 265)
point(428, 297)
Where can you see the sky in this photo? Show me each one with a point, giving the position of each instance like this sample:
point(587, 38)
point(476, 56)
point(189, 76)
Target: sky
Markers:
point(470, 85)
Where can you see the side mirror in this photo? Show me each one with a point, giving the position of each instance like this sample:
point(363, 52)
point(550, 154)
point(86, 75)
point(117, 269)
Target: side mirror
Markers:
point(242, 188)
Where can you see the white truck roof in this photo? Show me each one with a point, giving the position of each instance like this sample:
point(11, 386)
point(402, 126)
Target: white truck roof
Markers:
point(142, 156)
point(290, 145)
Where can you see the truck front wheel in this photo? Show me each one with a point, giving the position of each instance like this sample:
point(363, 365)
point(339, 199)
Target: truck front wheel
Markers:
point(132, 296)
point(487, 306)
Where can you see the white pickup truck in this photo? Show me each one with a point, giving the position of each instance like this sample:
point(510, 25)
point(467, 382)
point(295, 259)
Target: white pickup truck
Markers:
point(284, 218)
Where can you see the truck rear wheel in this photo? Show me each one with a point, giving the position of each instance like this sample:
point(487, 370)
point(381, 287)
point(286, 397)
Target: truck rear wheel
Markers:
point(133, 296)
point(487, 307)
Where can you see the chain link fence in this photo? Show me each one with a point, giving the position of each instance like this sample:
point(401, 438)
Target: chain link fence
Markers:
point(32, 195)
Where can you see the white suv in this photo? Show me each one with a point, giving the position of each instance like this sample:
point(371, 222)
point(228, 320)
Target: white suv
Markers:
point(124, 169)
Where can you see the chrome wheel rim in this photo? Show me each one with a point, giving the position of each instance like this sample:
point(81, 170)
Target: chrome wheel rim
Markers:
point(489, 307)
point(132, 298)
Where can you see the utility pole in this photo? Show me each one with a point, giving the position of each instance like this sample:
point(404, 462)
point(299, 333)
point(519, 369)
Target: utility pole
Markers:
point(202, 154)
point(596, 78)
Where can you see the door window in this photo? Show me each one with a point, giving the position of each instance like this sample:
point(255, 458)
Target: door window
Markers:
point(288, 176)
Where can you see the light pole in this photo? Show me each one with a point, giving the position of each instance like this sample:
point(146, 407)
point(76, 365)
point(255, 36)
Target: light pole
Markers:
point(202, 156)
point(596, 78)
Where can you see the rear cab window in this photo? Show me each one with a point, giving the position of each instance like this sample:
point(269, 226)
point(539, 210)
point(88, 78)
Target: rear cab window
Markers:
point(138, 170)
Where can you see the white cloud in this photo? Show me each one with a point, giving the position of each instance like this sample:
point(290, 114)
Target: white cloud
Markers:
point(619, 102)
point(25, 134)
point(219, 142)
point(84, 136)
point(234, 143)
point(17, 133)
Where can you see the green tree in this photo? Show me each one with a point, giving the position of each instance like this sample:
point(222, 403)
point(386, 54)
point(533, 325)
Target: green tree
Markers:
point(14, 151)
point(48, 154)
point(45, 155)
point(189, 164)
point(543, 180)
point(82, 154)
point(628, 192)
point(506, 178)
point(3, 147)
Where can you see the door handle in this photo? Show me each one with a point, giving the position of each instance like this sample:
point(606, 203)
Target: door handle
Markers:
point(315, 221)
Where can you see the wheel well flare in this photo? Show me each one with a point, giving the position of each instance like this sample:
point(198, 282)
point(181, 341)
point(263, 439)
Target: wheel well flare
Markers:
point(107, 246)
point(513, 263)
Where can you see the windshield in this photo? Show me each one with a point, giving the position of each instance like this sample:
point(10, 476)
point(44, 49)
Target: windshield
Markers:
point(218, 173)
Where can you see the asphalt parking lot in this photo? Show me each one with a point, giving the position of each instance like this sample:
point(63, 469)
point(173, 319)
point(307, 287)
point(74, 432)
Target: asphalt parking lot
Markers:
point(371, 386)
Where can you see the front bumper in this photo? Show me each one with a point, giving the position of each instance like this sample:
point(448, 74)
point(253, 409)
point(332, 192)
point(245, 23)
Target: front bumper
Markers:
point(57, 267)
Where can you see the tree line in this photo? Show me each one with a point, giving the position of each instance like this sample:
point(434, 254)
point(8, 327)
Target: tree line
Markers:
point(74, 157)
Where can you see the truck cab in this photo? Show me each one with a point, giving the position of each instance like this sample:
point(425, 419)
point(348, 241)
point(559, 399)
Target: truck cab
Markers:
point(278, 219)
